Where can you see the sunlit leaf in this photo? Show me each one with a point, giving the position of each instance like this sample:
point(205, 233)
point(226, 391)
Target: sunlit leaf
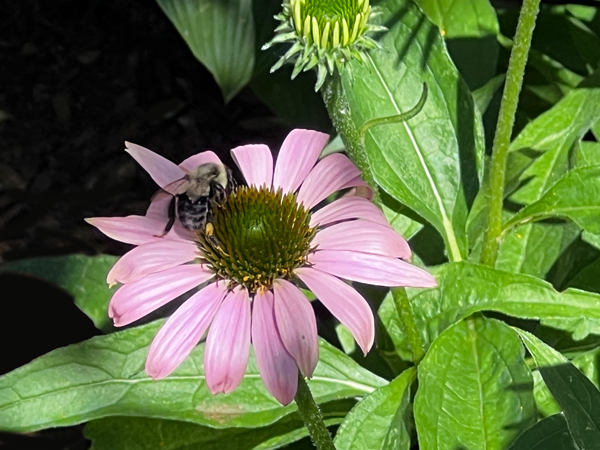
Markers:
point(379, 420)
point(475, 390)
point(464, 289)
point(430, 162)
point(575, 196)
point(548, 140)
point(105, 376)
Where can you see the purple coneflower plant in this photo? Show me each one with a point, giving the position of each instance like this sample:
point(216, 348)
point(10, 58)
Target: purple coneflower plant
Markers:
point(269, 236)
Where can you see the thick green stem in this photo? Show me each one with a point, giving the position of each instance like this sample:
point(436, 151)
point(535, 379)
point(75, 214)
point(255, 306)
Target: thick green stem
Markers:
point(506, 119)
point(312, 417)
point(407, 321)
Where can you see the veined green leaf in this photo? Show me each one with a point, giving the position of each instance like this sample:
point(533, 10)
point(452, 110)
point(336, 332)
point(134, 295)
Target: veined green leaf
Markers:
point(586, 154)
point(533, 249)
point(579, 400)
point(469, 28)
point(429, 163)
point(220, 34)
point(83, 277)
point(575, 196)
point(551, 136)
point(483, 95)
point(464, 289)
point(461, 18)
point(139, 433)
point(105, 376)
point(379, 420)
point(551, 432)
point(475, 390)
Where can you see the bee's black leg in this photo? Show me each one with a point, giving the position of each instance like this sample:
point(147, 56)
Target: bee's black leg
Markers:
point(171, 213)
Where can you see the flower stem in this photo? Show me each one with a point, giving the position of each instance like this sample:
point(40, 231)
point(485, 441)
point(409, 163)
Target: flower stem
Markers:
point(407, 321)
point(506, 119)
point(312, 417)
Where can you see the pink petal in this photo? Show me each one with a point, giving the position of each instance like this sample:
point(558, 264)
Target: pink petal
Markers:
point(228, 343)
point(199, 159)
point(184, 329)
point(363, 236)
point(256, 163)
point(133, 301)
point(163, 171)
point(297, 325)
point(371, 269)
point(328, 176)
point(150, 258)
point(359, 188)
point(347, 208)
point(297, 156)
point(134, 230)
point(347, 305)
point(277, 367)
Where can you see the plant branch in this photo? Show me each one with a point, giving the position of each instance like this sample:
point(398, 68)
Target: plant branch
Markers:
point(312, 417)
point(506, 119)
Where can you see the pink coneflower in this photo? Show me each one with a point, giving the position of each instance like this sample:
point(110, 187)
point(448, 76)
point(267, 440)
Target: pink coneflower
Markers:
point(267, 239)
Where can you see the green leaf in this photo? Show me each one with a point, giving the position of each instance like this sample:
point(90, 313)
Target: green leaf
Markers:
point(83, 277)
point(379, 420)
point(586, 154)
point(220, 34)
point(475, 390)
point(483, 96)
point(105, 376)
point(544, 356)
point(464, 289)
point(580, 402)
point(470, 28)
point(533, 249)
point(551, 136)
point(575, 196)
point(551, 432)
point(430, 163)
point(461, 18)
point(137, 433)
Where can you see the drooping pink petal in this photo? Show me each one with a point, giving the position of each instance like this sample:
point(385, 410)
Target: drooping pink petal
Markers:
point(347, 208)
point(347, 305)
point(134, 300)
point(297, 156)
point(277, 367)
point(228, 343)
point(150, 258)
point(163, 171)
point(134, 230)
point(199, 159)
point(359, 188)
point(297, 325)
point(327, 177)
point(184, 329)
point(256, 163)
point(363, 236)
point(371, 269)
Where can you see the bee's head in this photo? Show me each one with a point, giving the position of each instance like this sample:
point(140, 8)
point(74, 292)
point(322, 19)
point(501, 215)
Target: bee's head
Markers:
point(200, 179)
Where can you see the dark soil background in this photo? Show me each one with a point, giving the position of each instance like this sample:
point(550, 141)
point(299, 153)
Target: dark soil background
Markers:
point(77, 79)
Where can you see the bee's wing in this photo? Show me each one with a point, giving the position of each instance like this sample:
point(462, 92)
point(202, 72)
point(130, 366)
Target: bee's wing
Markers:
point(177, 186)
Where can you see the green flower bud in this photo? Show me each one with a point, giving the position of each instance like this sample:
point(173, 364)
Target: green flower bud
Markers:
point(323, 33)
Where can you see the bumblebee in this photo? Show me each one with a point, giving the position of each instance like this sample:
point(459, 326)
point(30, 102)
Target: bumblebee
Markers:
point(196, 194)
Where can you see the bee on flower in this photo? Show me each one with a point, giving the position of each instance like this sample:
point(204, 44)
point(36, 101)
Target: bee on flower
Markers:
point(266, 239)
